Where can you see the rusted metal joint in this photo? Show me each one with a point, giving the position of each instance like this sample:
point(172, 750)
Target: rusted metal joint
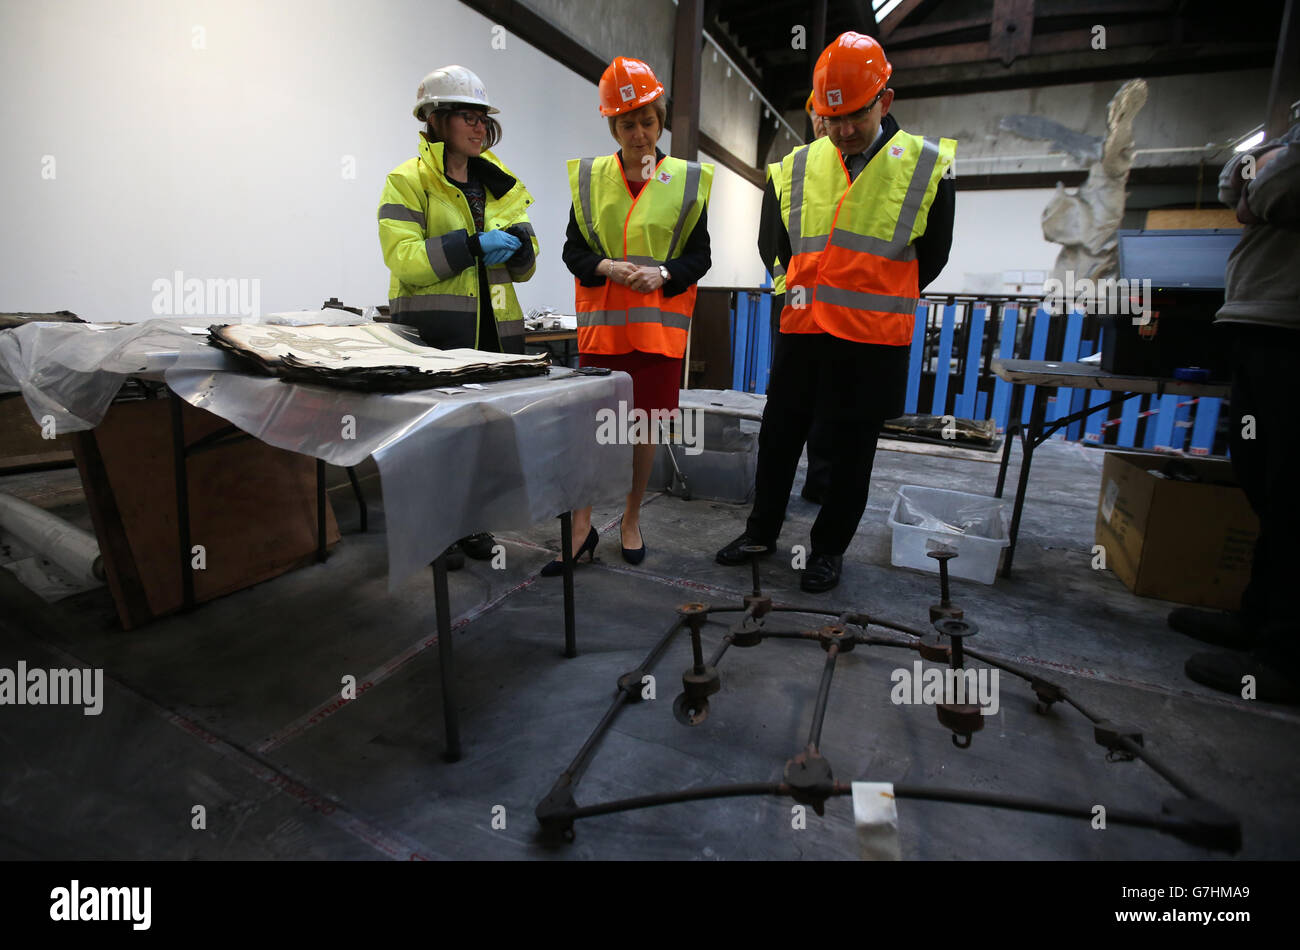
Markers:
point(834, 633)
point(810, 780)
point(761, 604)
point(1047, 694)
point(963, 719)
point(1111, 735)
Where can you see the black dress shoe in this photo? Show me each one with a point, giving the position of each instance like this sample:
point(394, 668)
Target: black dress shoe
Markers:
point(732, 554)
point(1225, 672)
point(634, 555)
point(822, 573)
point(556, 567)
point(478, 546)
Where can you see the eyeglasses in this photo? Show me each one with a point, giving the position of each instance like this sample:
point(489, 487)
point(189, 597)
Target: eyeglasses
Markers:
point(855, 117)
point(470, 118)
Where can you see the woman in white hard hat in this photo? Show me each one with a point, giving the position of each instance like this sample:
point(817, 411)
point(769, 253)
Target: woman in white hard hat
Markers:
point(454, 229)
point(637, 243)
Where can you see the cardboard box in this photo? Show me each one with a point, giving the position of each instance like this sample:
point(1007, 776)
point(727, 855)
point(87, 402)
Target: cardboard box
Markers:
point(1189, 542)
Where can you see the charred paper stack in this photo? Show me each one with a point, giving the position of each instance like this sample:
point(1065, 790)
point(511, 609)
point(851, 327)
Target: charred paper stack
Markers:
point(370, 357)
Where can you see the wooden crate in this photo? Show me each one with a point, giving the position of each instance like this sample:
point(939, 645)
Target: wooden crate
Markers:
point(252, 508)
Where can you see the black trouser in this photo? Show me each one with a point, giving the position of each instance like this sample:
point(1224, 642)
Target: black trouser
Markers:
point(1264, 364)
point(851, 388)
point(820, 438)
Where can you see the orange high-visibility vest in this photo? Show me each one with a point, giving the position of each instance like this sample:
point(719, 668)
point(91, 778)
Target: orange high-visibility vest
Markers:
point(853, 268)
point(647, 230)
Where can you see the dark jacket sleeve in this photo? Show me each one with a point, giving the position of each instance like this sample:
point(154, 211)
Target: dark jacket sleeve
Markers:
point(695, 260)
point(581, 260)
point(773, 238)
point(933, 246)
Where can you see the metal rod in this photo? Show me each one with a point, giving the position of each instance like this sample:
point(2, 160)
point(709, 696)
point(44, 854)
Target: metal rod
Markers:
point(442, 609)
point(672, 798)
point(361, 499)
point(579, 763)
point(1036, 805)
point(1036, 414)
point(823, 694)
point(697, 649)
point(566, 553)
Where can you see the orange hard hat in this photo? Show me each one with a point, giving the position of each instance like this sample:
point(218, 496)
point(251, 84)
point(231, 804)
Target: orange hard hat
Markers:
point(627, 84)
point(849, 73)
point(808, 106)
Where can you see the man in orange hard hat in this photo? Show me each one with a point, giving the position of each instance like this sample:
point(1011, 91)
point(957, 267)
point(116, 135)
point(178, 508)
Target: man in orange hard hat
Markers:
point(864, 218)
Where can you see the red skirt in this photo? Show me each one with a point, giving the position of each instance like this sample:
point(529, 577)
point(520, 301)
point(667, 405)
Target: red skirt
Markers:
point(656, 379)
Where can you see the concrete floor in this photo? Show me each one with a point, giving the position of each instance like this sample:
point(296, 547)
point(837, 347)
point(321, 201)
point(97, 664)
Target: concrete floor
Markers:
point(229, 707)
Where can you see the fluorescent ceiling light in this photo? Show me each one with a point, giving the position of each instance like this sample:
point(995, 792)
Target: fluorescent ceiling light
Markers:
point(1250, 141)
point(884, 7)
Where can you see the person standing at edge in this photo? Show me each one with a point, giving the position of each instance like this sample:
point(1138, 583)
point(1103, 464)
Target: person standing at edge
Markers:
point(864, 218)
point(1262, 312)
point(819, 466)
point(637, 244)
point(454, 230)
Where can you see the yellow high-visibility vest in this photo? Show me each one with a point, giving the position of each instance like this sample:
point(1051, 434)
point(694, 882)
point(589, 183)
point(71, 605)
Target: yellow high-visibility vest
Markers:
point(418, 206)
point(649, 229)
point(853, 270)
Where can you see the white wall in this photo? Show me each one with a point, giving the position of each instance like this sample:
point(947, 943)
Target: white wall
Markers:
point(995, 232)
point(231, 160)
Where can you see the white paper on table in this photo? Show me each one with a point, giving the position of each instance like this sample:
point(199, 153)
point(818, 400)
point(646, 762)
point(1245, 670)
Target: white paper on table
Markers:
point(875, 812)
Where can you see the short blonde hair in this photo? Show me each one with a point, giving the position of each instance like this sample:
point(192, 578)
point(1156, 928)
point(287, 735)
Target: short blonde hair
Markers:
point(660, 111)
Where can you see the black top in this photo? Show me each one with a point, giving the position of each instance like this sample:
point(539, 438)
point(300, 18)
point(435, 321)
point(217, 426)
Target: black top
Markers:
point(476, 196)
point(684, 271)
point(932, 246)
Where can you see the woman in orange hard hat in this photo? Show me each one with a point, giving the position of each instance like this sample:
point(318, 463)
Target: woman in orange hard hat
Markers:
point(637, 243)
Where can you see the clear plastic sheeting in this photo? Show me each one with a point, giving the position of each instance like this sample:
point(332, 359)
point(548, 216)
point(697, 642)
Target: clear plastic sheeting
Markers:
point(724, 402)
point(502, 457)
point(72, 371)
point(953, 513)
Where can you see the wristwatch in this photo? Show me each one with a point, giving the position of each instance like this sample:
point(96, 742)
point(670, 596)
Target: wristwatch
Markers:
point(663, 272)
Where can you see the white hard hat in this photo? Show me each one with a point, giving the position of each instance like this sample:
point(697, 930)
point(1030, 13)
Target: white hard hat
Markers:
point(451, 86)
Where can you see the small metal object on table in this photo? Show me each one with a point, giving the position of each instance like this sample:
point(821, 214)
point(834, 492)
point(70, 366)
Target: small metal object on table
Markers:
point(567, 340)
point(1044, 375)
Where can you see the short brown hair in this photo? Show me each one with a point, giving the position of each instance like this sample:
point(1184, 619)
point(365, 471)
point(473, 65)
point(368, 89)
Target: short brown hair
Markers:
point(435, 120)
point(660, 110)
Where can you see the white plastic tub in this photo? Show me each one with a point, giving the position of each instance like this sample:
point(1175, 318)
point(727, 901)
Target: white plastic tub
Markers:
point(975, 526)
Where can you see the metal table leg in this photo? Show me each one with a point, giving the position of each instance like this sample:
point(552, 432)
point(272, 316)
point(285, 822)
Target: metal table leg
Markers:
point(441, 606)
point(1013, 428)
point(1029, 441)
point(1032, 439)
point(566, 552)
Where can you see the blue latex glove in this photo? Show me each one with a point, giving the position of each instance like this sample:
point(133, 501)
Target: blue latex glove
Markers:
point(498, 246)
